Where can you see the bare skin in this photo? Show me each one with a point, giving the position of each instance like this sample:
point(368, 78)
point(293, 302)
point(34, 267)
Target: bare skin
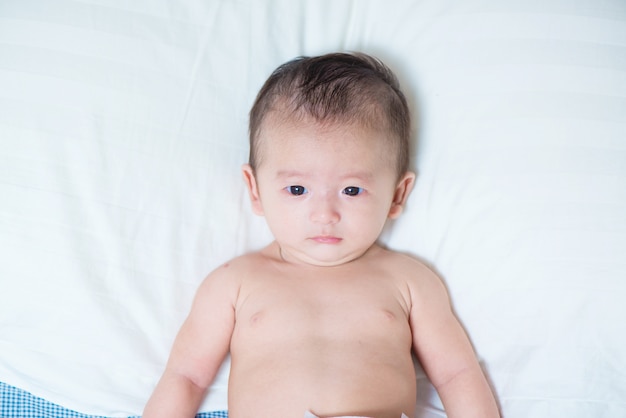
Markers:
point(335, 342)
point(323, 319)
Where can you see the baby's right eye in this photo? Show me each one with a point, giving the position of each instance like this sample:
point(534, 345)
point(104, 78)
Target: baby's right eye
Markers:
point(296, 190)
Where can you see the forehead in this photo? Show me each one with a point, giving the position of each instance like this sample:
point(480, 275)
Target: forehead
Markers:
point(281, 140)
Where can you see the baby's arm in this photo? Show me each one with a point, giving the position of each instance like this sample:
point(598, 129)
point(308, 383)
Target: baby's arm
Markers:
point(199, 349)
point(446, 353)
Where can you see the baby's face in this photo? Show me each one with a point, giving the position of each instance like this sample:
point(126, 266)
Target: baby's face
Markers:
point(325, 192)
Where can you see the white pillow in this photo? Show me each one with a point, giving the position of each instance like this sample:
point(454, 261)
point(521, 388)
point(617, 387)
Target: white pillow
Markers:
point(123, 127)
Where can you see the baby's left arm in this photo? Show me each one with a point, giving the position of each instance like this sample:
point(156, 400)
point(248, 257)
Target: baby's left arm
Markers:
point(446, 353)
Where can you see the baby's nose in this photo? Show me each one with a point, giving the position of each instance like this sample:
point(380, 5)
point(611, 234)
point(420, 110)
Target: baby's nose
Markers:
point(325, 212)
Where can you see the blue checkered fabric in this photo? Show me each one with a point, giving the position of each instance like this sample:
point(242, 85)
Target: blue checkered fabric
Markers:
point(17, 403)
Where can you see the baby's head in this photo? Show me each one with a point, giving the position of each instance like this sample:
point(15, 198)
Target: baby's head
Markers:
point(332, 90)
point(329, 147)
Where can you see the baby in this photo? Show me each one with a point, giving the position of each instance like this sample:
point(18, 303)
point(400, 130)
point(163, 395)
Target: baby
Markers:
point(323, 321)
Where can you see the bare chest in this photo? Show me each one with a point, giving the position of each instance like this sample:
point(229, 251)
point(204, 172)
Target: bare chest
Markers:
point(286, 309)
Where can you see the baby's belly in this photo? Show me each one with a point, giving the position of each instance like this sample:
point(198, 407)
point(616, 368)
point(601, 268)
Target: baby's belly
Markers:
point(327, 377)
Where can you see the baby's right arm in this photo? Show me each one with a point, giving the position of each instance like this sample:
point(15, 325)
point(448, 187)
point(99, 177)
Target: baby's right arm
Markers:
point(199, 349)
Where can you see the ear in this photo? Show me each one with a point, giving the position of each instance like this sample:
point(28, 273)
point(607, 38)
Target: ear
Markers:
point(401, 194)
point(253, 189)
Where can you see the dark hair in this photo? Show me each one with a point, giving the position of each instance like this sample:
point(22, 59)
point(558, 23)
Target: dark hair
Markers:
point(335, 88)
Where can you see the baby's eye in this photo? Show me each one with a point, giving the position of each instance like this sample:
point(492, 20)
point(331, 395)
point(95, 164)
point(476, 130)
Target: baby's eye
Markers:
point(352, 191)
point(296, 190)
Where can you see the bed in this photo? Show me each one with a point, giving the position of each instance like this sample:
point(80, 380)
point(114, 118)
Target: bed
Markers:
point(123, 126)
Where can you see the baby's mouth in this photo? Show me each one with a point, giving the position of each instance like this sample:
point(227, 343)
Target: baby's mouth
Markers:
point(326, 239)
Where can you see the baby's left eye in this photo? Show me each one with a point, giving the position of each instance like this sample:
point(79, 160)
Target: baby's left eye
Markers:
point(352, 191)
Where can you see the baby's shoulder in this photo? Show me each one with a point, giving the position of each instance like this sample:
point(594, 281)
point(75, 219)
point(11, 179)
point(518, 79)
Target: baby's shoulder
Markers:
point(242, 266)
point(405, 264)
point(418, 276)
point(237, 266)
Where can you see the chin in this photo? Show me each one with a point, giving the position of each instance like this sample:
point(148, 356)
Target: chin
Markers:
point(329, 260)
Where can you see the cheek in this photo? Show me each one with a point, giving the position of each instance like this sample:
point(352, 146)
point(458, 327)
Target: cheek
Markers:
point(281, 218)
point(368, 220)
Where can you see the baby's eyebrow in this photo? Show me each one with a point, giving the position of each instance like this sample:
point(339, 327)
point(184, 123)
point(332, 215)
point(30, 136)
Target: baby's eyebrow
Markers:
point(365, 176)
point(362, 176)
point(289, 174)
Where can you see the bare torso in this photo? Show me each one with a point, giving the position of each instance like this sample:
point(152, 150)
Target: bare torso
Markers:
point(332, 340)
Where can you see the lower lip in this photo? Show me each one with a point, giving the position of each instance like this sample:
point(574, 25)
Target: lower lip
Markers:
point(326, 240)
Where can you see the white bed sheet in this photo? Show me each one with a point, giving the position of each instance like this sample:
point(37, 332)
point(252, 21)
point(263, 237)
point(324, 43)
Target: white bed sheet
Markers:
point(123, 127)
